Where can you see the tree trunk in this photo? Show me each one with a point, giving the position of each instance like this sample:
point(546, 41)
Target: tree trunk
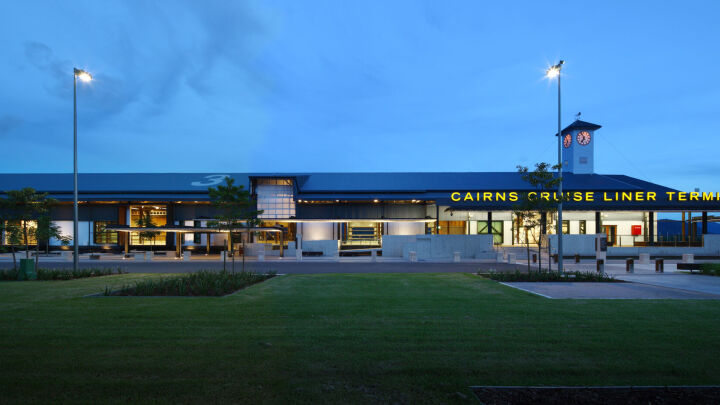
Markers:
point(26, 240)
point(232, 247)
point(12, 248)
point(243, 246)
point(540, 253)
point(527, 246)
point(37, 255)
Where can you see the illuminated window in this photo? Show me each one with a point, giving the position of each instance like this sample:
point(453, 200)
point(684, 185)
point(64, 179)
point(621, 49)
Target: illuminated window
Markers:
point(158, 215)
point(496, 230)
point(103, 237)
point(566, 226)
point(583, 227)
point(275, 198)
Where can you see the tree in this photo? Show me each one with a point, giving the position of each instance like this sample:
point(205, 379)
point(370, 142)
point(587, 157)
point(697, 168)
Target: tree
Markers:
point(47, 230)
point(13, 237)
point(145, 221)
point(532, 211)
point(236, 211)
point(24, 208)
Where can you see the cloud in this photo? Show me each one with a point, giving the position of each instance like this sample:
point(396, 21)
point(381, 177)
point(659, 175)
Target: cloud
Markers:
point(8, 123)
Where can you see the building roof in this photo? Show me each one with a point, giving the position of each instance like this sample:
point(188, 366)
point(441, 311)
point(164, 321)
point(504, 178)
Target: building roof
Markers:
point(579, 124)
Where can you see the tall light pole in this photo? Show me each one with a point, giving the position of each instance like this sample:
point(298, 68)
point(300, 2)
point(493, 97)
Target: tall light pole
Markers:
point(552, 72)
point(86, 77)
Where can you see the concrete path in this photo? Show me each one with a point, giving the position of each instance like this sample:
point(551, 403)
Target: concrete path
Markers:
point(688, 282)
point(564, 290)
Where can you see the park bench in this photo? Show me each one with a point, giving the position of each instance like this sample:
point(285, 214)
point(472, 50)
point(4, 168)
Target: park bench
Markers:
point(689, 266)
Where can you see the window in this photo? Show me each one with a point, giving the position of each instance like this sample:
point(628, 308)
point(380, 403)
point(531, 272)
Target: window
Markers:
point(31, 225)
point(361, 233)
point(197, 237)
point(103, 237)
point(275, 237)
point(496, 229)
point(158, 215)
point(583, 227)
point(275, 198)
point(566, 227)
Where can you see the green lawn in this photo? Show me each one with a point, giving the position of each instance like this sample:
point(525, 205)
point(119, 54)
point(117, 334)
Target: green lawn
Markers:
point(404, 338)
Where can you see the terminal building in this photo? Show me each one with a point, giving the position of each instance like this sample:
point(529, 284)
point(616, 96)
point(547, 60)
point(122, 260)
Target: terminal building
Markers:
point(359, 210)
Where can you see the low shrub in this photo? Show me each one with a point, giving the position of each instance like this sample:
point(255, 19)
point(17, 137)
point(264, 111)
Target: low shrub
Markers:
point(202, 283)
point(539, 276)
point(61, 274)
point(710, 269)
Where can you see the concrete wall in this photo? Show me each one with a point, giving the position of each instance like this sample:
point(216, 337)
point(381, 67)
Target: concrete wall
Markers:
point(430, 247)
point(327, 247)
point(316, 231)
point(585, 245)
point(405, 228)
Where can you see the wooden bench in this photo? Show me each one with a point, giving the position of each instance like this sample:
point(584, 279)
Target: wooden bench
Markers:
point(689, 266)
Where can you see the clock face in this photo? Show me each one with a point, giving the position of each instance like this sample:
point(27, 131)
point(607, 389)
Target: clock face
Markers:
point(583, 137)
point(567, 140)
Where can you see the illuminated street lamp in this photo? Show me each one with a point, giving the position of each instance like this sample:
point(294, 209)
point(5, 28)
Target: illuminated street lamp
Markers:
point(553, 72)
point(85, 77)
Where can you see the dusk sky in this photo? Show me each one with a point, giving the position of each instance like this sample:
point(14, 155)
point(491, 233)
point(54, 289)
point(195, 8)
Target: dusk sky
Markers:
point(210, 86)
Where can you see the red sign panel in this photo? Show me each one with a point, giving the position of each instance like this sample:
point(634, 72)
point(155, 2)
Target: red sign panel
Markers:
point(636, 230)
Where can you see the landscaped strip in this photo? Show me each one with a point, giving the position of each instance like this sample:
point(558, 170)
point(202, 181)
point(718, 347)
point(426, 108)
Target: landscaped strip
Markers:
point(61, 274)
point(710, 269)
point(202, 283)
point(550, 276)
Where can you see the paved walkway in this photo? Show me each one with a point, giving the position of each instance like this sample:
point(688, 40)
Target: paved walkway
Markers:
point(609, 291)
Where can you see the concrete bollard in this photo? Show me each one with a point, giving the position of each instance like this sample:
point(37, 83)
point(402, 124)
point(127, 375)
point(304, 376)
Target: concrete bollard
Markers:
point(186, 256)
point(67, 256)
point(261, 254)
point(644, 258)
point(629, 265)
point(412, 256)
point(456, 257)
point(511, 258)
point(373, 255)
point(139, 257)
point(600, 266)
point(223, 255)
point(500, 257)
point(298, 255)
point(149, 256)
point(688, 258)
point(534, 256)
point(659, 265)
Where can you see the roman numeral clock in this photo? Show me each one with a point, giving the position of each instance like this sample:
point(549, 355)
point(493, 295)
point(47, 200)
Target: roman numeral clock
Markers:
point(578, 153)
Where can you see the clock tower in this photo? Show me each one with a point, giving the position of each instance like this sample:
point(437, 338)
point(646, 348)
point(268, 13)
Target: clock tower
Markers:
point(578, 147)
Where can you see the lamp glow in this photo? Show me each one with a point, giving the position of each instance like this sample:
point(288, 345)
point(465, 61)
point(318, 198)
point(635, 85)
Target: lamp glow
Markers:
point(83, 75)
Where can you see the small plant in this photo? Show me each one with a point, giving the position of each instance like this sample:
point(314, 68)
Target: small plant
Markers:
point(548, 276)
point(202, 283)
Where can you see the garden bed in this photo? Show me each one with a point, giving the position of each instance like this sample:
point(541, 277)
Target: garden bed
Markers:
point(202, 283)
point(61, 274)
point(550, 276)
point(710, 269)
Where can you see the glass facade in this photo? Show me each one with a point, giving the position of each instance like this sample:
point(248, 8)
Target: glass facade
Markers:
point(158, 216)
point(451, 227)
point(103, 237)
point(496, 229)
point(361, 233)
point(275, 198)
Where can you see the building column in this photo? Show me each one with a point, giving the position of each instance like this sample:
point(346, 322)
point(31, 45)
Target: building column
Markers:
point(543, 223)
point(437, 218)
point(207, 240)
point(489, 222)
point(598, 222)
point(651, 226)
point(178, 243)
point(704, 223)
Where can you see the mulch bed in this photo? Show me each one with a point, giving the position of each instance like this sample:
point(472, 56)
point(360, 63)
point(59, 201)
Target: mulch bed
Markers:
point(598, 395)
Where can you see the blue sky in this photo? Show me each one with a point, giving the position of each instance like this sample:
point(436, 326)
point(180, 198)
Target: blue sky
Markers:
point(359, 86)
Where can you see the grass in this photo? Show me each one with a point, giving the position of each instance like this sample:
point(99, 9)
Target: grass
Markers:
point(352, 338)
point(60, 274)
point(201, 283)
point(550, 276)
